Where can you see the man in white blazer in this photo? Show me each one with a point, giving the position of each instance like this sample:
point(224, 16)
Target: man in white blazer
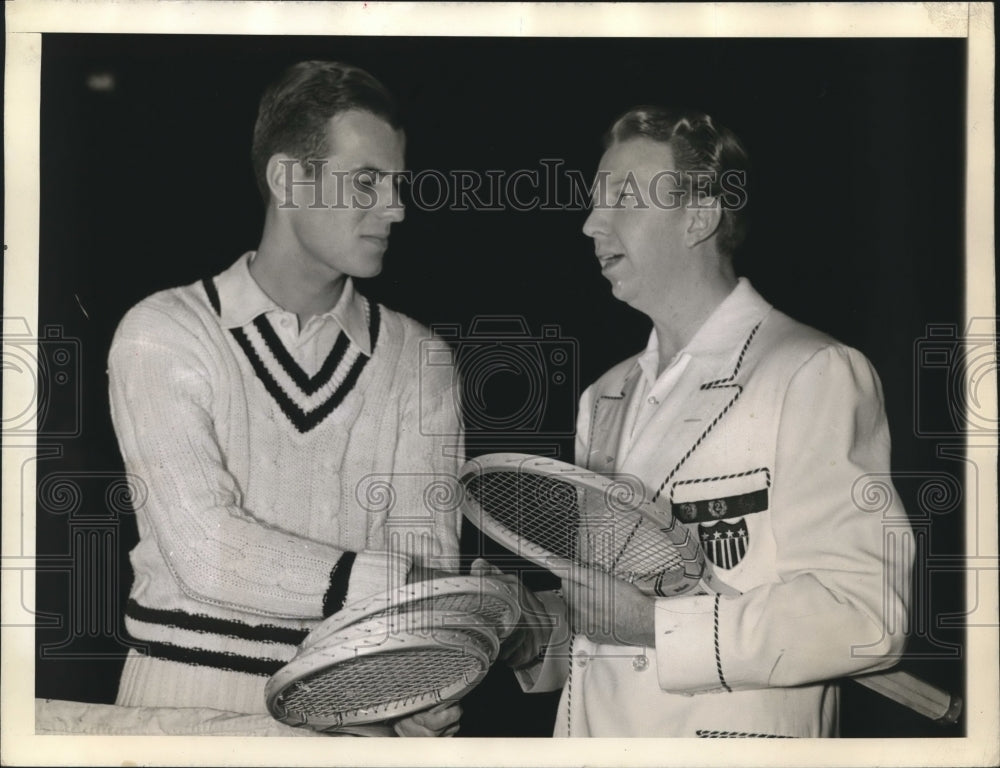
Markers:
point(761, 435)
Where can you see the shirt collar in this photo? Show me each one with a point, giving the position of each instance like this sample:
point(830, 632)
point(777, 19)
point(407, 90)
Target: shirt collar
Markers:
point(243, 300)
point(730, 322)
point(728, 325)
point(649, 360)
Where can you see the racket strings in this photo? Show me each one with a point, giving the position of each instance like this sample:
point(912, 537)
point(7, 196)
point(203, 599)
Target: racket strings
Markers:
point(495, 611)
point(543, 511)
point(622, 541)
point(590, 526)
point(363, 683)
point(394, 654)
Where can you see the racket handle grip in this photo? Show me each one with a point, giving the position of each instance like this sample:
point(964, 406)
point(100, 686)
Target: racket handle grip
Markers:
point(912, 692)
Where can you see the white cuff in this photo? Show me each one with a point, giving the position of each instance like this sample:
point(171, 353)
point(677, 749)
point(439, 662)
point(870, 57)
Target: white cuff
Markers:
point(687, 659)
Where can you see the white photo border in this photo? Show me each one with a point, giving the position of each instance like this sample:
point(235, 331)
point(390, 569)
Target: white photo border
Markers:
point(26, 21)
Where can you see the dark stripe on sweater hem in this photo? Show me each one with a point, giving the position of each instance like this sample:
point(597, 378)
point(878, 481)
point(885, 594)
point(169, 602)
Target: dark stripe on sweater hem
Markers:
point(230, 662)
point(196, 622)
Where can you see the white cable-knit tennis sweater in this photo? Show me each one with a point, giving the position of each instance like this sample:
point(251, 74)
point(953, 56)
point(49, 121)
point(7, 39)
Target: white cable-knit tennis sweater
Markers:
point(269, 497)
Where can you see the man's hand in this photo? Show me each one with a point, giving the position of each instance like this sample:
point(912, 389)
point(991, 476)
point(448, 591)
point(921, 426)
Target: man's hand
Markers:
point(441, 720)
point(609, 610)
point(532, 633)
point(420, 572)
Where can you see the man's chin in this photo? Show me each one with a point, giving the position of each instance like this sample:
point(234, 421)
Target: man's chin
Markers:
point(365, 274)
point(619, 290)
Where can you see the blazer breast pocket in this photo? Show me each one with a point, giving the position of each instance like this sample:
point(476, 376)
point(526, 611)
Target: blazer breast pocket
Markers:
point(720, 506)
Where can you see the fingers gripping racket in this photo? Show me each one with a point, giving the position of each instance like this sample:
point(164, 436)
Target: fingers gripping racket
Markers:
point(558, 516)
point(394, 654)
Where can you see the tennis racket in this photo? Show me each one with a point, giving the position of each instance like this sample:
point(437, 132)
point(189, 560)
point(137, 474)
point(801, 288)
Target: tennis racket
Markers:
point(559, 516)
point(413, 647)
point(376, 669)
point(436, 602)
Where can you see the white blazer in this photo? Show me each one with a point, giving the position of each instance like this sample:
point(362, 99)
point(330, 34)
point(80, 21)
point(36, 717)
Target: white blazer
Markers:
point(773, 447)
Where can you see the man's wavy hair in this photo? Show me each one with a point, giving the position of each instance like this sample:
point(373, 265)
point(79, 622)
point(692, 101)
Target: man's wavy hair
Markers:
point(295, 111)
point(698, 143)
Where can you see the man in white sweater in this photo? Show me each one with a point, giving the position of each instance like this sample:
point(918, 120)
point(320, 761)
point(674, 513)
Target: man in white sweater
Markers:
point(756, 432)
point(265, 408)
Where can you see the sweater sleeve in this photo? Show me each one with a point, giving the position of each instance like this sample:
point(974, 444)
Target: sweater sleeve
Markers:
point(161, 392)
point(429, 450)
point(841, 598)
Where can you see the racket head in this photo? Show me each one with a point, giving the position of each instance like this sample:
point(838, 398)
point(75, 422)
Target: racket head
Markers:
point(376, 670)
point(416, 605)
point(558, 515)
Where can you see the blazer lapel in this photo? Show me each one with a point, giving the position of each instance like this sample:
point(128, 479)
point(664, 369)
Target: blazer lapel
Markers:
point(705, 391)
point(607, 421)
point(699, 399)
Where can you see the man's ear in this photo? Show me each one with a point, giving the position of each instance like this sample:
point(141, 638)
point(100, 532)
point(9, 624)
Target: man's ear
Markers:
point(280, 174)
point(703, 221)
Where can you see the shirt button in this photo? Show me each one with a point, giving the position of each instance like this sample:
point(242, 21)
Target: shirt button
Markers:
point(639, 663)
point(652, 400)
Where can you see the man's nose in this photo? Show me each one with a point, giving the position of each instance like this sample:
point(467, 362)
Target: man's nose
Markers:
point(390, 203)
point(395, 211)
point(594, 224)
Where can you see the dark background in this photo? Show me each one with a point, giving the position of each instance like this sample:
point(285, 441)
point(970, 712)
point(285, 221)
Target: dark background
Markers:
point(856, 202)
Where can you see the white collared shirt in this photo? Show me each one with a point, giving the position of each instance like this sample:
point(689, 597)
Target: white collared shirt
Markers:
point(652, 389)
point(243, 300)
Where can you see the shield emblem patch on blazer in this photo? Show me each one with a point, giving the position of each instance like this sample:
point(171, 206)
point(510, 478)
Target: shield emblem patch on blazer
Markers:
point(724, 543)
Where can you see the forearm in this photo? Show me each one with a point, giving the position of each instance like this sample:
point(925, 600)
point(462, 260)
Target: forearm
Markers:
point(838, 600)
point(777, 635)
point(216, 550)
point(218, 556)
